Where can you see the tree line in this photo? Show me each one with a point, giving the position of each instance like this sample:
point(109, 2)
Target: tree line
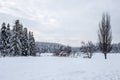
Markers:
point(16, 41)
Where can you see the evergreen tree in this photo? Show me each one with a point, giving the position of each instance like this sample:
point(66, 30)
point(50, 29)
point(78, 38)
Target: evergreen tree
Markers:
point(16, 39)
point(24, 43)
point(8, 34)
point(15, 47)
point(3, 39)
point(17, 42)
point(32, 46)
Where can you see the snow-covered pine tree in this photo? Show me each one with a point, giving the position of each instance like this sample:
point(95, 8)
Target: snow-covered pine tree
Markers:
point(24, 43)
point(16, 39)
point(32, 46)
point(15, 47)
point(8, 34)
point(3, 39)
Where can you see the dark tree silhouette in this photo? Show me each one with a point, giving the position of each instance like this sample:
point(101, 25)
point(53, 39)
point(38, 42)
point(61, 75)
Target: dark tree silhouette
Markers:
point(105, 34)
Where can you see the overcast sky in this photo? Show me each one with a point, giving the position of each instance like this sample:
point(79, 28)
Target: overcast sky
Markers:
point(62, 21)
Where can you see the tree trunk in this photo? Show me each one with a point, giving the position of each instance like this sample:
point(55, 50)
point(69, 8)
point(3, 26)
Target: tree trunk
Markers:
point(91, 55)
point(105, 55)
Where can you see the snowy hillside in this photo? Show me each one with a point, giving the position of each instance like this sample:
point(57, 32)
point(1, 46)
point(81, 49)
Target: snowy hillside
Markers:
point(60, 68)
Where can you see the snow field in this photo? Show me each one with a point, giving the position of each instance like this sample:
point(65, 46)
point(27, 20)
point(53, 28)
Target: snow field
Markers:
point(60, 68)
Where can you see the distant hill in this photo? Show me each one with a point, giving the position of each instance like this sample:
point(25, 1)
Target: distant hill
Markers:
point(47, 47)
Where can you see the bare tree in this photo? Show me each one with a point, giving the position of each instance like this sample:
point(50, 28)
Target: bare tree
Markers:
point(83, 47)
point(88, 49)
point(91, 48)
point(105, 35)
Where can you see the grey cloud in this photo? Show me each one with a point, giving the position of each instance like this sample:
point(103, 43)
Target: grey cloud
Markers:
point(65, 21)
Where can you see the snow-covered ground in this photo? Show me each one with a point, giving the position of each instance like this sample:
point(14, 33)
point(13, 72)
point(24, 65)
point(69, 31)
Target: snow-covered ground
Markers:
point(60, 68)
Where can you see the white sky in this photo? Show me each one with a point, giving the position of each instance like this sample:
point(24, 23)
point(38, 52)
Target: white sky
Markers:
point(63, 21)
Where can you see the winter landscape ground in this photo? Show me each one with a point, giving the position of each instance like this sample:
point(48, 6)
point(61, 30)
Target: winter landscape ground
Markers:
point(60, 68)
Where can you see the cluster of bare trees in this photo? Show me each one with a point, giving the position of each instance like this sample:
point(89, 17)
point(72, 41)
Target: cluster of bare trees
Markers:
point(88, 49)
point(104, 38)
